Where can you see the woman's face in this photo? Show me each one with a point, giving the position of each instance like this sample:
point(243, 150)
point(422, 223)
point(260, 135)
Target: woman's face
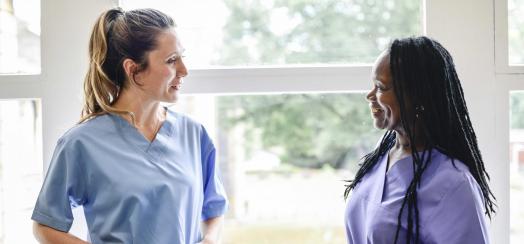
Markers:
point(162, 79)
point(382, 100)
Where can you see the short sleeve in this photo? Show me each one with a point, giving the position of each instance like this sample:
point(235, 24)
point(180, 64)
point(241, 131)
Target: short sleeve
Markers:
point(459, 217)
point(63, 188)
point(215, 199)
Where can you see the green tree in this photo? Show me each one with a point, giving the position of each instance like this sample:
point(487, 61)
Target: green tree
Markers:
point(328, 31)
point(312, 129)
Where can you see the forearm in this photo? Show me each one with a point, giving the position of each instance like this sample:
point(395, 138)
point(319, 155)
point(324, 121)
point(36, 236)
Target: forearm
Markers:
point(212, 230)
point(48, 235)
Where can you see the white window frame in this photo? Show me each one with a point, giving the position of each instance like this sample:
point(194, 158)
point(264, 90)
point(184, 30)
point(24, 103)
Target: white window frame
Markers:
point(501, 41)
point(469, 35)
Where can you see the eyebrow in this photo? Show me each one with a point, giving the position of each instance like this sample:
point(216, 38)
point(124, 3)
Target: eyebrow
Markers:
point(375, 80)
point(177, 53)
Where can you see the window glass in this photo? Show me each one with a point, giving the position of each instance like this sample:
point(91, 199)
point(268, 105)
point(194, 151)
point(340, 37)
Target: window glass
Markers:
point(276, 32)
point(516, 150)
point(516, 32)
point(20, 37)
point(284, 160)
point(20, 168)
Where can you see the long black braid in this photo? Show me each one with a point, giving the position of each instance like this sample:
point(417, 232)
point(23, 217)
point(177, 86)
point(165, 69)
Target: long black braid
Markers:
point(431, 99)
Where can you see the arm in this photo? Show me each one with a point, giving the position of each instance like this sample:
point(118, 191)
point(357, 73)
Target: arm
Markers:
point(48, 235)
point(63, 186)
point(215, 200)
point(212, 230)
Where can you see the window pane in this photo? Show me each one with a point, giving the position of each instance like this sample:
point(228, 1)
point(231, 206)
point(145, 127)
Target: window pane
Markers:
point(20, 37)
point(20, 168)
point(261, 32)
point(284, 159)
point(517, 167)
point(516, 31)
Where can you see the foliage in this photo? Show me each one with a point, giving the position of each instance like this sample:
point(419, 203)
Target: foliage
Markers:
point(307, 31)
point(310, 129)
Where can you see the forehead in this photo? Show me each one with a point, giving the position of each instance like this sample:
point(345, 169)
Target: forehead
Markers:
point(381, 69)
point(168, 42)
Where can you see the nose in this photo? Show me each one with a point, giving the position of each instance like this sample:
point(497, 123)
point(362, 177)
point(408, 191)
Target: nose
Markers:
point(181, 70)
point(370, 97)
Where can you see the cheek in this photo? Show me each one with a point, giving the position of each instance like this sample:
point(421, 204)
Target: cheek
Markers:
point(169, 73)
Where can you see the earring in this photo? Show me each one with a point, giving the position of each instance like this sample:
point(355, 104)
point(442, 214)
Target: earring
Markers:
point(419, 109)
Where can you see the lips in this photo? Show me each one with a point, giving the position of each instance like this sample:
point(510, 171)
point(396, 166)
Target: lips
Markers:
point(376, 110)
point(177, 86)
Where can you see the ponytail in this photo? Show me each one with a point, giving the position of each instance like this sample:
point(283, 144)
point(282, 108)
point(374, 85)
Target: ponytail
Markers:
point(100, 92)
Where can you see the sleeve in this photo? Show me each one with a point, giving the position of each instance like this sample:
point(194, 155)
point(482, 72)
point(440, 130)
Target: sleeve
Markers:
point(63, 188)
point(459, 218)
point(215, 199)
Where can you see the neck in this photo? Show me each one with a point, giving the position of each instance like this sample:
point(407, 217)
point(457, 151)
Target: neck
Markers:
point(403, 143)
point(147, 113)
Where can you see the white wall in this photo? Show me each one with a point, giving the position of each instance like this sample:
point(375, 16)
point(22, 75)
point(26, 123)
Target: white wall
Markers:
point(465, 27)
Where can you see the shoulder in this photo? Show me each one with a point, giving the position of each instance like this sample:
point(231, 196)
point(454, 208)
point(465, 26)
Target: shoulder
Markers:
point(445, 176)
point(97, 127)
point(184, 121)
point(192, 129)
point(446, 170)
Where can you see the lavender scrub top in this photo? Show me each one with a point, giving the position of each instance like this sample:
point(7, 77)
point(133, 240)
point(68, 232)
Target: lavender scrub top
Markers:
point(450, 202)
point(133, 190)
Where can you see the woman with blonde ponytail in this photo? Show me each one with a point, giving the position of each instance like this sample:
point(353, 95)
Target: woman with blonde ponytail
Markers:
point(143, 173)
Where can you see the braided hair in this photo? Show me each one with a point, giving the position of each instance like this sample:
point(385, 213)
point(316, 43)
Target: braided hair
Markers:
point(425, 82)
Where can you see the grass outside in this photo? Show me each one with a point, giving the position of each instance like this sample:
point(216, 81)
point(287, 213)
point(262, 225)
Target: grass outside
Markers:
point(289, 234)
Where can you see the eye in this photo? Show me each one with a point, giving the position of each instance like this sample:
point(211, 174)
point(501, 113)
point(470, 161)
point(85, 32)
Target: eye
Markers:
point(172, 60)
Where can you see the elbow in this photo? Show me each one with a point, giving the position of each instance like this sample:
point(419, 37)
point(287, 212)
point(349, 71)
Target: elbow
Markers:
point(38, 232)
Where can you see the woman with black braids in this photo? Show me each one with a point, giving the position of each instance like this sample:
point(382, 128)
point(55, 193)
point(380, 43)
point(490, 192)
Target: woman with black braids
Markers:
point(426, 181)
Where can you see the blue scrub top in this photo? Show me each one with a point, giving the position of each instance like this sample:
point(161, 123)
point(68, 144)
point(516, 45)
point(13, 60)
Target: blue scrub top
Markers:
point(133, 190)
point(450, 203)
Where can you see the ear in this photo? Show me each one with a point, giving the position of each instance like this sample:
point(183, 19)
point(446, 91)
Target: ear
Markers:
point(130, 67)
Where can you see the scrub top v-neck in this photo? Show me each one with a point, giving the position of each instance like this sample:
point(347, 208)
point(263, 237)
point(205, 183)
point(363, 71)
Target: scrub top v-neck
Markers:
point(450, 204)
point(133, 190)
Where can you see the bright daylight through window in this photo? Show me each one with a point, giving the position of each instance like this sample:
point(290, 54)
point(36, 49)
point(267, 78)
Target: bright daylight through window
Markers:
point(19, 36)
point(284, 157)
point(516, 150)
point(253, 33)
point(283, 160)
point(516, 32)
point(20, 168)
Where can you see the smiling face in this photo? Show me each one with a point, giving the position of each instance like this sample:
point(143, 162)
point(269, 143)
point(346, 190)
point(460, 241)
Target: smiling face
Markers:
point(382, 99)
point(162, 78)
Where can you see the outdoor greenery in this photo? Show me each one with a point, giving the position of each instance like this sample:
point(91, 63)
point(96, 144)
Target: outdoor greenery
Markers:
point(305, 130)
point(516, 31)
point(271, 234)
point(310, 31)
point(517, 110)
point(309, 130)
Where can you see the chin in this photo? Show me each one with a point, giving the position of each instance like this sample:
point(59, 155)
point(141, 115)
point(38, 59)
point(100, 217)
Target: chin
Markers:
point(379, 125)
